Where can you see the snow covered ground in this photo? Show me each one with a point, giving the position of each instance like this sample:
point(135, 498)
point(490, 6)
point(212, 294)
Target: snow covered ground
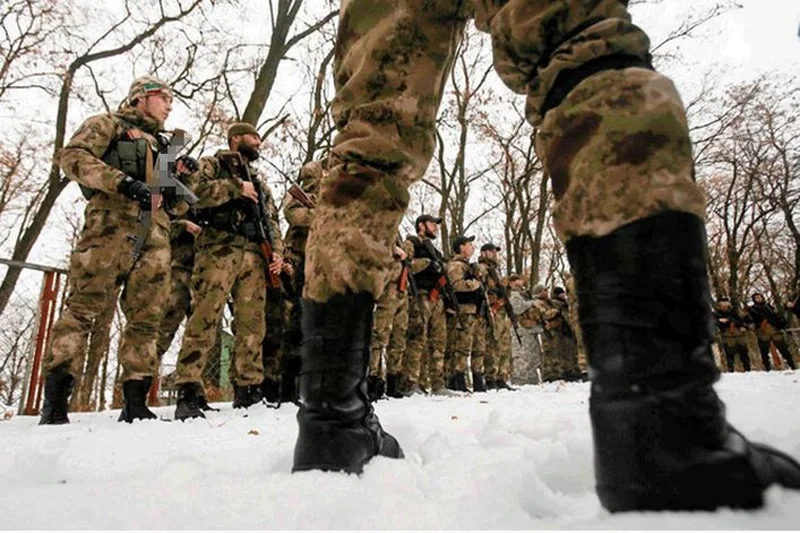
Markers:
point(503, 460)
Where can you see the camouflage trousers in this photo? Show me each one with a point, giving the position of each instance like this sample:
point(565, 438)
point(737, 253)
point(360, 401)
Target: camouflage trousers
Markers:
point(467, 338)
point(222, 268)
point(100, 263)
point(527, 356)
point(277, 313)
point(779, 340)
point(617, 147)
point(423, 361)
point(560, 358)
point(734, 346)
point(498, 363)
point(389, 331)
point(179, 301)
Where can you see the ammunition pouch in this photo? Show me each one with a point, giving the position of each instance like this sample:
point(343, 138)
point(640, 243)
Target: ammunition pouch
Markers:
point(126, 155)
point(470, 298)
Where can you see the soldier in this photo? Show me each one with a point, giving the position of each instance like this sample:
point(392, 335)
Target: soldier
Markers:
point(560, 361)
point(228, 261)
point(497, 362)
point(111, 156)
point(298, 215)
point(572, 302)
point(769, 329)
point(527, 354)
point(613, 137)
point(390, 328)
point(427, 332)
point(731, 325)
point(469, 337)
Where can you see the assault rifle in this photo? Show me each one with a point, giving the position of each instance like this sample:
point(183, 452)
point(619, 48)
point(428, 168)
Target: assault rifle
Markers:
point(407, 276)
point(301, 196)
point(503, 294)
point(257, 213)
point(449, 293)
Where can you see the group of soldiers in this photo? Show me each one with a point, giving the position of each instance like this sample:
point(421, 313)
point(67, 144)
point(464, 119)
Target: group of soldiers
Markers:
point(769, 325)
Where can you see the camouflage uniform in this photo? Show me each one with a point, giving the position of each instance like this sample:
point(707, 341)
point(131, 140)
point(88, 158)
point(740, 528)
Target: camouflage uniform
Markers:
point(572, 302)
point(769, 329)
point(560, 359)
point(732, 336)
point(179, 302)
point(103, 257)
point(527, 355)
point(226, 262)
point(469, 337)
point(391, 322)
point(497, 361)
point(423, 361)
point(617, 146)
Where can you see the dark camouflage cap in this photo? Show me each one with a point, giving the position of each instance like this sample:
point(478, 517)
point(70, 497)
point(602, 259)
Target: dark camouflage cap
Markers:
point(459, 240)
point(426, 218)
point(242, 128)
point(489, 247)
point(147, 86)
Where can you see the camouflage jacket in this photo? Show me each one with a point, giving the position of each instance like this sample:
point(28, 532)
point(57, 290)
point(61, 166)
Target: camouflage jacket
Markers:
point(299, 216)
point(468, 281)
point(216, 188)
point(81, 161)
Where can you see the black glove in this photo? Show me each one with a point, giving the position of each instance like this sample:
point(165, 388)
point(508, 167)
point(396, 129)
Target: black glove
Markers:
point(189, 162)
point(136, 191)
point(436, 266)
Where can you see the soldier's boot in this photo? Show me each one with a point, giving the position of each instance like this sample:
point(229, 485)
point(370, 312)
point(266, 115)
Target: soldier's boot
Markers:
point(376, 388)
point(503, 384)
point(661, 440)
point(271, 390)
point(478, 383)
point(202, 403)
point(57, 388)
point(338, 429)
point(134, 392)
point(393, 386)
point(289, 380)
point(491, 383)
point(458, 382)
point(188, 405)
point(246, 395)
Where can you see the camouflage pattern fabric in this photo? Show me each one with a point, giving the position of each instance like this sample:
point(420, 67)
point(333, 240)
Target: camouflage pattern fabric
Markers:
point(469, 337)
point(527, 355)
point(103, 258)
point(423, 360)
point(498, 361)
point(179, 301)
point(617, 147)
point(390, 324)
point(560, 358)
point(277, 314)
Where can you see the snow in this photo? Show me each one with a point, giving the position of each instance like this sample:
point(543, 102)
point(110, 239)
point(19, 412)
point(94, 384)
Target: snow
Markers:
point(502, 460)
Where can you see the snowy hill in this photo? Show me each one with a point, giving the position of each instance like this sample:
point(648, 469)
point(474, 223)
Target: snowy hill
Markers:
point(503, 460)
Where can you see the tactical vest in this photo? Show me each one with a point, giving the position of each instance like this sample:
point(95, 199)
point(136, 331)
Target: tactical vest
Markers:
point(473, 297)
point(429, 278)
point(127, 155)
point(228, 216)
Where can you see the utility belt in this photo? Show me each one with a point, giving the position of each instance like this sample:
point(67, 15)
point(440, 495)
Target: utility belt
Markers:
point(228, 221)
point(566, 80)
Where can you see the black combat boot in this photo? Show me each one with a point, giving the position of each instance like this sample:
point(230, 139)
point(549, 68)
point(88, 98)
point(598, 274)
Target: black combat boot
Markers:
point(458, 382)
point(289, 379)
point(246, 395)
point(203, 404)
point(135, 392)
point(338, 427)
point(490, 383)
point(661, 440)
point(393, 386)
point(503, 384)
point(57, 388)
point(376, 388)
point(271, 390)
point(188, 405)
point(478, 383)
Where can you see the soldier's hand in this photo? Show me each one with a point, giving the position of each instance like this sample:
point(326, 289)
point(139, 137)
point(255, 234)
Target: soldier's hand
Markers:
point(193, 228)
point(400, 253)
point(288, 268)
point(136, 191)
point(277, 264)
point(186, 164)
point(249, 191)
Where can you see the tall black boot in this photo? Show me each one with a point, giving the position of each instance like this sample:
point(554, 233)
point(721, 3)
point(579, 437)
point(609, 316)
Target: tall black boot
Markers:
point(376, 388)
point(393, 386)
point(57, 388)
point(246, 395)
point(478, 383)
point(458, 382)
point(188, 405)
point(661, 440)
point(271, 390)
point(135, 392)
point(338, 429)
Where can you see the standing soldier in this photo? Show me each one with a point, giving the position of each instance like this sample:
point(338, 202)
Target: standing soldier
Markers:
point(497, 362)
point(112, 156)
point(527, 354)
point(469, 337)
point(427, 332)
point(613, 137)
point(391, 325)
point(733, 333)
point(769, 329)
point(228, 260)
point(560, 360)
point(298, 210)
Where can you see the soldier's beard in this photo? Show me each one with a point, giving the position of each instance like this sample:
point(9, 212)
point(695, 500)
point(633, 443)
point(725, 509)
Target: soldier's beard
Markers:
point(249, 153)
